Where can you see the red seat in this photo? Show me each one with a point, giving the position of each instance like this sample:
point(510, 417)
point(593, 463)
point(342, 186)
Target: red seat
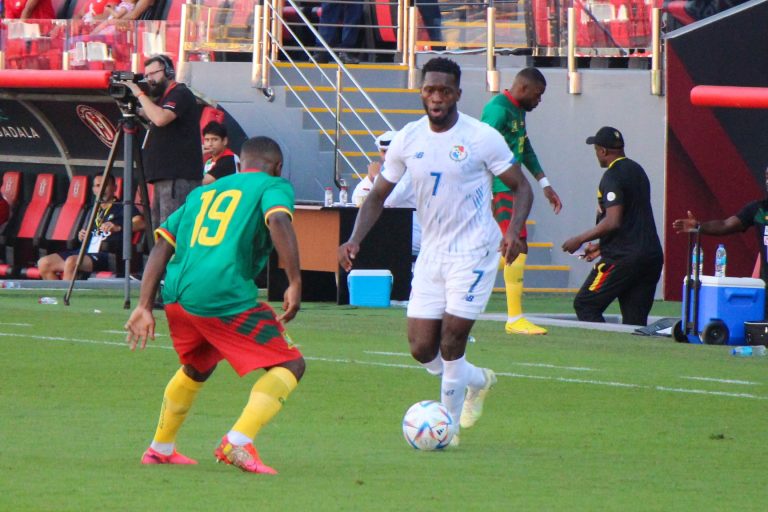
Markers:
point(32, 225)
point(11, 193)
point(67, 218)
point(11, 190)
point(38, 211)
point(385, 12)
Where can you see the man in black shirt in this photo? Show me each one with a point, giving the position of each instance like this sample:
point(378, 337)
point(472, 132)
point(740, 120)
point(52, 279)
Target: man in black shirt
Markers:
point(104, 241)
point(752, 214)
point(629, 249)
point(172, 153)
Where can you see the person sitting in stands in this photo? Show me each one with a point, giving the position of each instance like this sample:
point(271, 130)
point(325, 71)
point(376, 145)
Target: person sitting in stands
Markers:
point(223, 161)
point(93, 12)
point(108, 221)
point(123, 9)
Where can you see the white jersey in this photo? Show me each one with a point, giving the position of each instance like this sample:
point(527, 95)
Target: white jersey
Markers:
point(451, 174)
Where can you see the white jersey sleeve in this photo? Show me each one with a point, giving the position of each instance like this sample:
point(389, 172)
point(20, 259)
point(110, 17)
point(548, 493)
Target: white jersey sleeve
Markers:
point(394, 159)
point(498, 155)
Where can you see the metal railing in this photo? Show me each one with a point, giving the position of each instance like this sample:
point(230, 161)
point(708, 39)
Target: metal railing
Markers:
point(273, 25)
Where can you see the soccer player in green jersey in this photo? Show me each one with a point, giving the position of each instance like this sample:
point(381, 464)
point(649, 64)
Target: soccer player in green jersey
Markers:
point(212, 249)
point(506, 113)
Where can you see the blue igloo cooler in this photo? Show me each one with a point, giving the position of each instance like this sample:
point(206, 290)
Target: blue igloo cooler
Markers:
point(370, 288)
point(725, 303)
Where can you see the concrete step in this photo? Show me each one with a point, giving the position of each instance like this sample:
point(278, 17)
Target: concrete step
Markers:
point(365, 117)
point(539, 253)
point(367, 75)
point(383, 97)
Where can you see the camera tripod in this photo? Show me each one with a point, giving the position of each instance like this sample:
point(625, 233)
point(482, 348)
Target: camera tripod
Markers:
point(127, 128)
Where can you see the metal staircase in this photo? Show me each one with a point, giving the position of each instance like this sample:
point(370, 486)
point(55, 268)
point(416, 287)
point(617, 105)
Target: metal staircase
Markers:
point(386, 86)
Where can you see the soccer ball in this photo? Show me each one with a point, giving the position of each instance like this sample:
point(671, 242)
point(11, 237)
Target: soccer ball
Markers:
point(427, 425)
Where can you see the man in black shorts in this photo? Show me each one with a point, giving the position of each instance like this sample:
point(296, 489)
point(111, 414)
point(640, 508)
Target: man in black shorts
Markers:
point(104, 238)
point(629, 249)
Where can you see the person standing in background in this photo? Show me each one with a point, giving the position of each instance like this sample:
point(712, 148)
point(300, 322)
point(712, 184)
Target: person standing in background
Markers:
point(506, 113)
point(223, 161)
point(172, 153)
point(630, 253)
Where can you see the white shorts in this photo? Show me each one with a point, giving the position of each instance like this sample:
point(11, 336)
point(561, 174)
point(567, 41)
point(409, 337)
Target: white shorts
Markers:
point(460, 288)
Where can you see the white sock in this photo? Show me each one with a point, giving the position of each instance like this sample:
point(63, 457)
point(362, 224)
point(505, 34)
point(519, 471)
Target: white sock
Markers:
point(454, 386)
point(238, 438)
point(475, 376)
point(164, 448)
point(435, 366)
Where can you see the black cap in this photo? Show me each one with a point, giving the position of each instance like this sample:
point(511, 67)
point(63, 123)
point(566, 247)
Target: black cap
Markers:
point(607, 137)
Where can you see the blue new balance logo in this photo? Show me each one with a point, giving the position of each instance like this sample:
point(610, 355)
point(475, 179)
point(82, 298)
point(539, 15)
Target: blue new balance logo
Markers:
point(420, 154)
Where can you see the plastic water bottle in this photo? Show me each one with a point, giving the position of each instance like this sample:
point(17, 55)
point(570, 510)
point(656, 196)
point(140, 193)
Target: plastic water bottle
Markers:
point(47, 300)
point(343, 195)
point(328, 201)
point(721, 260)
point(697, 261)
point(757, 350)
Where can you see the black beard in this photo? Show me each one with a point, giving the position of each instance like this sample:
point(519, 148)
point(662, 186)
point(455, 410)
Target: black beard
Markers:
point(158, 88)
point(442, 121)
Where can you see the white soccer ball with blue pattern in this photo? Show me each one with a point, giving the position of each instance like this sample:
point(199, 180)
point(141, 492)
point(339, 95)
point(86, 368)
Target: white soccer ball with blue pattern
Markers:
point(427, 425)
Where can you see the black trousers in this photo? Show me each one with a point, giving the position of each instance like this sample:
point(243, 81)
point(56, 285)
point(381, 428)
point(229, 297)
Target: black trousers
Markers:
point(632, 280)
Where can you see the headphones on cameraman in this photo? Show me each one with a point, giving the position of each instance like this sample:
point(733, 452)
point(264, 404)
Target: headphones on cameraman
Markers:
point(167, 63)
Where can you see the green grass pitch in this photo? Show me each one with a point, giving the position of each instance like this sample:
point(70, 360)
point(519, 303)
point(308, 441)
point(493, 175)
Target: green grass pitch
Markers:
point(580, 420)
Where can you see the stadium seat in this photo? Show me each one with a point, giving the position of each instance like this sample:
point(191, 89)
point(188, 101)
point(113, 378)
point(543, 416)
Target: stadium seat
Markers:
point(384, 14)
point(65, 223)
point(32, 225)
point(12, 193)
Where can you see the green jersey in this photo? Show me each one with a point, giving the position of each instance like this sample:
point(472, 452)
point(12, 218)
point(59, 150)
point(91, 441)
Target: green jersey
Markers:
point(222, 242)
point(503, 114)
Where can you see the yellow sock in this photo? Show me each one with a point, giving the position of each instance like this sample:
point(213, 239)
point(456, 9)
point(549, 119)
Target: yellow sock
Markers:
point(266, 400)
point(179, 395)
point(513, 281)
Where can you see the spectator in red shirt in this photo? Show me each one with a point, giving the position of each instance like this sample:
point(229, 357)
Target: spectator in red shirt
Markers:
point(30, 10)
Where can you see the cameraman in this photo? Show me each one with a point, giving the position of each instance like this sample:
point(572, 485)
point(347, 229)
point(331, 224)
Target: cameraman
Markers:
point(172, 153)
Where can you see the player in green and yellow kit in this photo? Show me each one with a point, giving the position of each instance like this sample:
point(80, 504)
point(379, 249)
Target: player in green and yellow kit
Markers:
point(212, 249)
point(506, 113)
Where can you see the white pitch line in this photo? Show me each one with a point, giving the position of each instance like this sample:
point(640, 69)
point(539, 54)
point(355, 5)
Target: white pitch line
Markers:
point(157, 334)
point(396, 354)
point(536, 365)
point(724, 381)
point(17, 325)
point(416, 367)
point(708, 392)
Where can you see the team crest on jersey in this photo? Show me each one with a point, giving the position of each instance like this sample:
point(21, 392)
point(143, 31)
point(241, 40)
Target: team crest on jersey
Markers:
point(458, 153)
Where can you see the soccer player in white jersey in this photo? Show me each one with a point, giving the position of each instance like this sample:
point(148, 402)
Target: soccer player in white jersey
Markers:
point(451, 159)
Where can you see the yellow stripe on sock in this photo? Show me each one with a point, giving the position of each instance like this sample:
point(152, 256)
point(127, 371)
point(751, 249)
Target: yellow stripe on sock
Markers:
point(513, 281)
point(267, 397)
point(180, 393)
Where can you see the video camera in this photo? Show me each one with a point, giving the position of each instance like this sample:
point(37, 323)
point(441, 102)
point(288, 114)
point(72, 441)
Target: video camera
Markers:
point(118, 90)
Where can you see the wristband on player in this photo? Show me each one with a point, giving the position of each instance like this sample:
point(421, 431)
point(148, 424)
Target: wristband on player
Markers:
point(544, 183)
